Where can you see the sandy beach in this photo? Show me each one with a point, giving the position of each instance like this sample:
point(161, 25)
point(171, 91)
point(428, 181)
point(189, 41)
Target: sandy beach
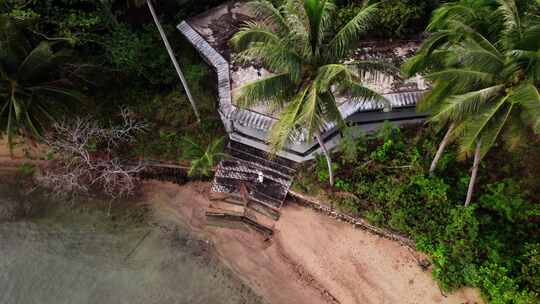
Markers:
point(311, 258)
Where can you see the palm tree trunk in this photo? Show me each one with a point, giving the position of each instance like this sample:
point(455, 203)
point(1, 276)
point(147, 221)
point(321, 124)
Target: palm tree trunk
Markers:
point(328, 159)
point(440, 151)
point(173, 59)
point(474, 173)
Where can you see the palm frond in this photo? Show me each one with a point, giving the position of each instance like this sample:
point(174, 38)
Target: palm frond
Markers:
point(449, 11)
point(515, 133)
point(462, 78)
point(277, 58)
point(310, 117)
point(530, 39)
point(36, 63)
point(528, 97)
point(298, 24)
point(274, 89)
point(529, 61)
point(287, 122)
point(344, 39)
point(254, 32)
point(376, 68)
point(266, 11)
point(476, 56)
point(314, 11)
point(475, 125)
point(61, 92)
point(465, 31)
point(329, 74)
point(363, 94)
point(435, 97)
point(458, 107)
point(423, 63)
point(512, 21)
point(331, 109)
point(496, 126)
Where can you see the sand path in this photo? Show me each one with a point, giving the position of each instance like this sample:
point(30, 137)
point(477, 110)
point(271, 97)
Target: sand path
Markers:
point(311, 259)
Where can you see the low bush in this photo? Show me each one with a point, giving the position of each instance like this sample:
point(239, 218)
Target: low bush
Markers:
point(396, 18)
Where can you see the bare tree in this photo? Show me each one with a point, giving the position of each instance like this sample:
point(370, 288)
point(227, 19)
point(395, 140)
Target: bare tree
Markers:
point(86, 157)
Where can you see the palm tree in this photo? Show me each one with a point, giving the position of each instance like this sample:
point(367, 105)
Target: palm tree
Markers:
point(203, 160)
point(31, 86)
point(299, 43)
point(451, 23)
point(489, 89)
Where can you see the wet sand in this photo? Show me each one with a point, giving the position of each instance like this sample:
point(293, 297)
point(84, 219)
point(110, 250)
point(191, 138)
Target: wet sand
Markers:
point(311, 258)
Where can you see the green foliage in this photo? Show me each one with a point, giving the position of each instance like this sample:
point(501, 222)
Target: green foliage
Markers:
point(321, 170)
point(500, 287)
point(485, 74)
point(395, 18)
point(343, 185)
point(305, 47)
point(203, 160)
point(34, 87)
point(140, 53)
point(350, 146)
point(506, 199)
point(530, 268)
point(493, 244)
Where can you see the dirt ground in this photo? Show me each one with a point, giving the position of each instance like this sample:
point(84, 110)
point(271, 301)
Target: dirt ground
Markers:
point(311, 259)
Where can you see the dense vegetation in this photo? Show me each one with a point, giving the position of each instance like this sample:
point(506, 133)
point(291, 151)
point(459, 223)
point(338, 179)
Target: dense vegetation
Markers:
point(67, 58)
point(116, 60)
point(492, 244)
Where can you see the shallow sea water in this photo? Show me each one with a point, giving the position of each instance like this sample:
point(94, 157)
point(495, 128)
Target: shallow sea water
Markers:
point(77, 257)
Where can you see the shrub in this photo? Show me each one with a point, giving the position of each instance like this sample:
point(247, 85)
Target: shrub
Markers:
point(396, 18)
point(403, 18)
point(140, 53)
point(505, 198)
point(530, 269)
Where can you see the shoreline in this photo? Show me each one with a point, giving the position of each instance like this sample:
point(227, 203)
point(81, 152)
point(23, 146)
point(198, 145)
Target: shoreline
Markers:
point(312, 258)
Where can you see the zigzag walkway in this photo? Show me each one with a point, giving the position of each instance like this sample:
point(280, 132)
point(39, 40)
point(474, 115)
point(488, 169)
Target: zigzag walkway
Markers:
point(250, 187)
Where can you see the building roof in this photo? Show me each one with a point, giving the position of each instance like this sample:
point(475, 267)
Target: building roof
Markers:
point(211, 31)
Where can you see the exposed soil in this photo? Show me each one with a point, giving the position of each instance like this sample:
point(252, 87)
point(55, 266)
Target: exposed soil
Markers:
point(311, 258)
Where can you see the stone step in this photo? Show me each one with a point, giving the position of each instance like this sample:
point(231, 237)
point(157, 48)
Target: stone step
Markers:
point(253, 204)
point(244, 152)
point(227, 207)
point(272, 196)
point(240, 165)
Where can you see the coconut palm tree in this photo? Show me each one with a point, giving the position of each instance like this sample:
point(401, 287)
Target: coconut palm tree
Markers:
point(300, 44)
point(486, 89)
point(32, 89)
point(451, 23)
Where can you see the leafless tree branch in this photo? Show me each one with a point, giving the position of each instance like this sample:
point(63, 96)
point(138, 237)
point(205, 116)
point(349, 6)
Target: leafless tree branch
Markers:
point(86, 157)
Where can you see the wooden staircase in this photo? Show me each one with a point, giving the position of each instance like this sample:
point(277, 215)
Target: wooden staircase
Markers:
point(238, 193)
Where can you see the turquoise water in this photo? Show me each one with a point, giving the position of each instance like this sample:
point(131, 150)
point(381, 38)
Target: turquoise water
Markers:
point(66, 253)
